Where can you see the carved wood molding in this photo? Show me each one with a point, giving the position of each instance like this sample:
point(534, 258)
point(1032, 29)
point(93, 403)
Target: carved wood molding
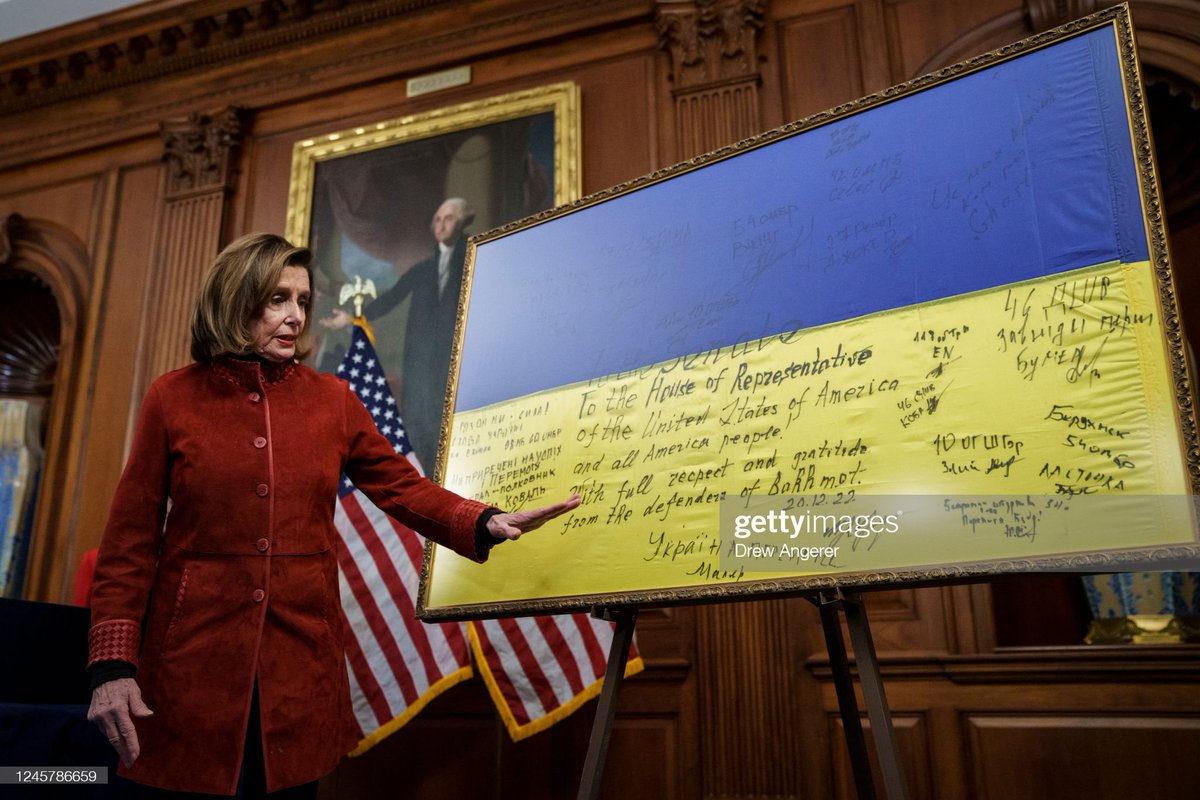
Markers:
point(386, 45)
point(29, 336)
point(715, 116)
point(56, 259)
point(1109, 664)
point(54, 255)
point(60, 261)
point(200, 151)
point(200, 155)
point(710, 40)
point(158, 44)
point(206, 34)
point(31, 328)
point(713, 46)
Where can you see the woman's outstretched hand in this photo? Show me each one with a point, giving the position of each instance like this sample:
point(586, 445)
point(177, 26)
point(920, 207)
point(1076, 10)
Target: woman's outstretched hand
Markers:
point(512, 525)
point(114, 704)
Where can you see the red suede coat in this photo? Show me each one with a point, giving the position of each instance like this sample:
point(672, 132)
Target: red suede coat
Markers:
point(242, 580)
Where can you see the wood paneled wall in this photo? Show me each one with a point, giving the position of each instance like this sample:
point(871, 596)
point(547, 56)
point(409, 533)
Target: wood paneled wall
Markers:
point(137, 145)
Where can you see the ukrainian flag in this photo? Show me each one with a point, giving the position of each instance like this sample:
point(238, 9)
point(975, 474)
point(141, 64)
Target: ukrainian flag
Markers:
point(950, 294)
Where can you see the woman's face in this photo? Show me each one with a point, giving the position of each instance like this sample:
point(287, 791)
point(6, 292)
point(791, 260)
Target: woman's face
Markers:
point(276, 328)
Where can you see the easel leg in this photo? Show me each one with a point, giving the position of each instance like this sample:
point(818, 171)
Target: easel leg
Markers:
point(606, 709)
point(864, 782)
point(877, 707)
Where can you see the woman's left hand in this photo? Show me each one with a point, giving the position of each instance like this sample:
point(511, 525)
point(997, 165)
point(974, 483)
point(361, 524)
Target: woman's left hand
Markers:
point(512, 525)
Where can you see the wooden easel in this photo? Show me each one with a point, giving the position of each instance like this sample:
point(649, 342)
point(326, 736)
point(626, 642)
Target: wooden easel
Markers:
point(606, 710)
point(829, 603)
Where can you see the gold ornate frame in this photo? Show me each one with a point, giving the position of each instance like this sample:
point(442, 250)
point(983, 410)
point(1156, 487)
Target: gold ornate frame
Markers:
point(1109, 561)
point(560, 98)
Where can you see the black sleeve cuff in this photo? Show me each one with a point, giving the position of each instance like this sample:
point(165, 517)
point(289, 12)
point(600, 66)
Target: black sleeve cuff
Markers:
point(484, 541)
point(105, 671)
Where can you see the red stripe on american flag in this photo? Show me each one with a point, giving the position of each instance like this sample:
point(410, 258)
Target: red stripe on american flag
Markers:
point(414, 547)
point(411, 541)
point(561, 652)
point(456, 641)
point(529, 663)
point(370, 688)
point(587, 633)
point(395, 586)
point(500, 673)
point(375, 621)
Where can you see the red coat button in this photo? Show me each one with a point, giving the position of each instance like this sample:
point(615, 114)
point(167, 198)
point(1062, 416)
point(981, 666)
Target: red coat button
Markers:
point(260, 442)
point(262, 490)
point(259, 594)
point(255, 397)
point(262, 545)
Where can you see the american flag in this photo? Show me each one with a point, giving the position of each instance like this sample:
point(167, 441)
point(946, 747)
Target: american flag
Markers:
point(537, 669)
point(540, 669)
point(396, 663)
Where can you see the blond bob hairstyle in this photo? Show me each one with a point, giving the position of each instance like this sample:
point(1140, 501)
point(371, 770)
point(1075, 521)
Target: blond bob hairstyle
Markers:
point(238, 287)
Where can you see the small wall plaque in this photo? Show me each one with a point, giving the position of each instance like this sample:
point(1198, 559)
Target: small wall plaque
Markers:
point(436, 81)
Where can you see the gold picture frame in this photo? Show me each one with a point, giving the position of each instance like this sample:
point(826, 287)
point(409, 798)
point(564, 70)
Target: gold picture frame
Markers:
point(362, 199)
point(562, 99)
point(571, 567)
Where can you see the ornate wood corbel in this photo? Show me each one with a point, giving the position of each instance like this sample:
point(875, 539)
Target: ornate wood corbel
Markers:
point(713, 47)
point(200, 151)
point(200, 158)
point(710, 40)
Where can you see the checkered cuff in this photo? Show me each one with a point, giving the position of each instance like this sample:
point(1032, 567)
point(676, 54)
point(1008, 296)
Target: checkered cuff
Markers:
point(115, 640)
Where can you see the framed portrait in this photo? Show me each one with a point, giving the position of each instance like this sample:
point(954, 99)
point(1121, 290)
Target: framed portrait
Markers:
point(394, 202)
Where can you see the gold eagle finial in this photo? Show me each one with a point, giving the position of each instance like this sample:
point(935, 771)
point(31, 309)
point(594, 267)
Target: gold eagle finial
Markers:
point(358, 291)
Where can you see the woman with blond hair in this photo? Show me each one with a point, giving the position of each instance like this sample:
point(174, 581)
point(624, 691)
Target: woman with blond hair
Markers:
point(216, 642)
